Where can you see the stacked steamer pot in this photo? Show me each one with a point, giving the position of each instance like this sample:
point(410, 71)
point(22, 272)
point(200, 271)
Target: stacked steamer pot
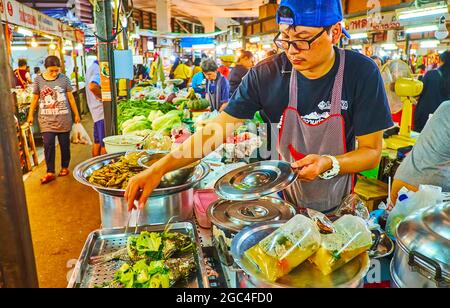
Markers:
point(245, 201)
point(422, 254)
point(172, 200)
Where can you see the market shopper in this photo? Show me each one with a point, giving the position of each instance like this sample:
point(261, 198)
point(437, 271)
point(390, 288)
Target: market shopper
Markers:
point(429, 161)
point(217, 86)
point(378, 61)
point(199, 84)
point(224, 69)
point(37, 72)
point(436, 90)
point(95, 104)
point(197, 66)
point(53, 91)
point(22, 76)
point(183, 72)
point(244, 63)
point(322, 98)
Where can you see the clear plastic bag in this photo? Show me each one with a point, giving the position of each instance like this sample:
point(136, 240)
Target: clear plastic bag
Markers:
point(351, 238)
point(285, 248)
point(353, 205)
point(79, 135)
point(409, 202)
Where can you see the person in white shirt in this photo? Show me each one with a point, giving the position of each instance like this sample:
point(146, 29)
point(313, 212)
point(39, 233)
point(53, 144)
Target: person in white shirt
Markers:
point(95, 104)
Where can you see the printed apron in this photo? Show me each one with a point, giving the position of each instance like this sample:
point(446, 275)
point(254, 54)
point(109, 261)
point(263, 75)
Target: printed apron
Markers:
point(298, 139)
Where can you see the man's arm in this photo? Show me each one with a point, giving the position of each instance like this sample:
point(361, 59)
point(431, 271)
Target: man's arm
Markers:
point(199, 145)
point(96, 90)
point(73, 106)
point(366, 157)
point(33, 105)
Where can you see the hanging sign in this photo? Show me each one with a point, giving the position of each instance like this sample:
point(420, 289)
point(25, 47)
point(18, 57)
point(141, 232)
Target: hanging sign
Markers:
point(388, 21)
point(105, 82)
point(48, 24)
point(2, 10)
point(69, 33)
point(12, 12)
point(28, 17)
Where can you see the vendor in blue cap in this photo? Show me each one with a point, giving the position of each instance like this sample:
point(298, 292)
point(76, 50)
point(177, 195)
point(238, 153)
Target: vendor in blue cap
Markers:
point(328, 107)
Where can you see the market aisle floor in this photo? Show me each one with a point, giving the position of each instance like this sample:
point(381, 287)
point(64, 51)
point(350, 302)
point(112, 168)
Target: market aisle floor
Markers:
point(62, 214)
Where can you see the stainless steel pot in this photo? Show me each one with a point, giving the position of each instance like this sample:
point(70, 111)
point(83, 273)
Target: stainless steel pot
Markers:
point(351, 275)
point(422, 255)
point(163, 204)
point(158, 210)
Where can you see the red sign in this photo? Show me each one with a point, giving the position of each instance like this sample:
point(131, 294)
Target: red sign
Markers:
point(388, 21)
point(10, 9)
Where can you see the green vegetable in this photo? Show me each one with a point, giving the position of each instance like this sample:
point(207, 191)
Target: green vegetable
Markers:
point(165, 281)
point(136, 126)
point(168, 121)
point(155, 281)
point(154, 114)
point(148, 242)
point(199, 104)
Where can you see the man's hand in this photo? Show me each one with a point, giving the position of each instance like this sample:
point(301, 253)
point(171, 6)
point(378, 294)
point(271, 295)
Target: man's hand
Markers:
point(312, 166)
point(147, 181)
point(77, 119)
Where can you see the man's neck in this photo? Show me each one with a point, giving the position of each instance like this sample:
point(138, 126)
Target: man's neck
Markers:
point(323, 69)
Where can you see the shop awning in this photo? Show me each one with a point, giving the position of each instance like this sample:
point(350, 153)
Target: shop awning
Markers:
point(189, 42)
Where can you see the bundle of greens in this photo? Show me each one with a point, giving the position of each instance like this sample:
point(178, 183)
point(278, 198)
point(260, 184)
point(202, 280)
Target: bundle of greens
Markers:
point(128, 109)
point(156, 274)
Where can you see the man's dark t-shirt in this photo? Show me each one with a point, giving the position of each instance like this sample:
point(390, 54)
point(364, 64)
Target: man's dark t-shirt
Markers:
point(364, 103)
point(236, 75)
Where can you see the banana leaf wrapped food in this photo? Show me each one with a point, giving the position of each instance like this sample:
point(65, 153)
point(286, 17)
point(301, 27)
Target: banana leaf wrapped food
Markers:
point(285, 248)
point(351, 238)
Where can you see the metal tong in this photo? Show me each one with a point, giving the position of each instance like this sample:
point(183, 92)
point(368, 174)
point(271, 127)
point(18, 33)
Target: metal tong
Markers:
point(137, 219)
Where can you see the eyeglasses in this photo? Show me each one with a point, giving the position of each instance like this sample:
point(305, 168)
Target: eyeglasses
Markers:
point(299, 45)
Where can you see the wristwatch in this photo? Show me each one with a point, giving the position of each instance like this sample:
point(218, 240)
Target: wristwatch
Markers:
point(333, 172)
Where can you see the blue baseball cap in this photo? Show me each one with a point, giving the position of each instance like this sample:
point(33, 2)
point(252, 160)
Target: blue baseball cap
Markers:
point(310, 13)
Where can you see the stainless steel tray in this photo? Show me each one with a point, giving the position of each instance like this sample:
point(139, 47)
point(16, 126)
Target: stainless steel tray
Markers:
point(101, 242)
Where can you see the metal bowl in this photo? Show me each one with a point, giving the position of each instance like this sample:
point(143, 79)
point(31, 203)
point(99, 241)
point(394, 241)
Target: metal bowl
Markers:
point(306, 275)
point(85, 169)
point(173, 178)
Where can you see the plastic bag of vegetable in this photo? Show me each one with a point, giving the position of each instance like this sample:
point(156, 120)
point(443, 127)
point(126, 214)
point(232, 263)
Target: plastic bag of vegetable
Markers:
point(285, 248)
point(351, 238)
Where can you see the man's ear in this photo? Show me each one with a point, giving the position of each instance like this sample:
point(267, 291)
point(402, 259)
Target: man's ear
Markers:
point(336, 33)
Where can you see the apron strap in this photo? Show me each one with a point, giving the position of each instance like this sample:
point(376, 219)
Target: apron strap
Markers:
point(293, 89)
point(336, 96)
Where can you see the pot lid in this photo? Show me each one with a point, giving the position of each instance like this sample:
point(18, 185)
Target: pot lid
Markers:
point(425, 236)
point(235, 215)
point(255, 180)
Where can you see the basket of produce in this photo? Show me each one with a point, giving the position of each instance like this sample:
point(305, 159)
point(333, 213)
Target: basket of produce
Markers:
point(122, 143)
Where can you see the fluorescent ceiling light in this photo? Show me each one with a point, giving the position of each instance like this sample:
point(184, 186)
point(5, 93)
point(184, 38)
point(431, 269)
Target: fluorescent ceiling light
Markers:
point(79, 46)
point(267, 46)
point(389, 46)
point(48, 36)
point(421, 29)
point(429, 44)
point(67, 48)
point(18, 48)
point(150, 45)
point(357, 47)
point(357, 36)
point(24, 31)
point(52, 46)
point(255, 39)
point(422, 13)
